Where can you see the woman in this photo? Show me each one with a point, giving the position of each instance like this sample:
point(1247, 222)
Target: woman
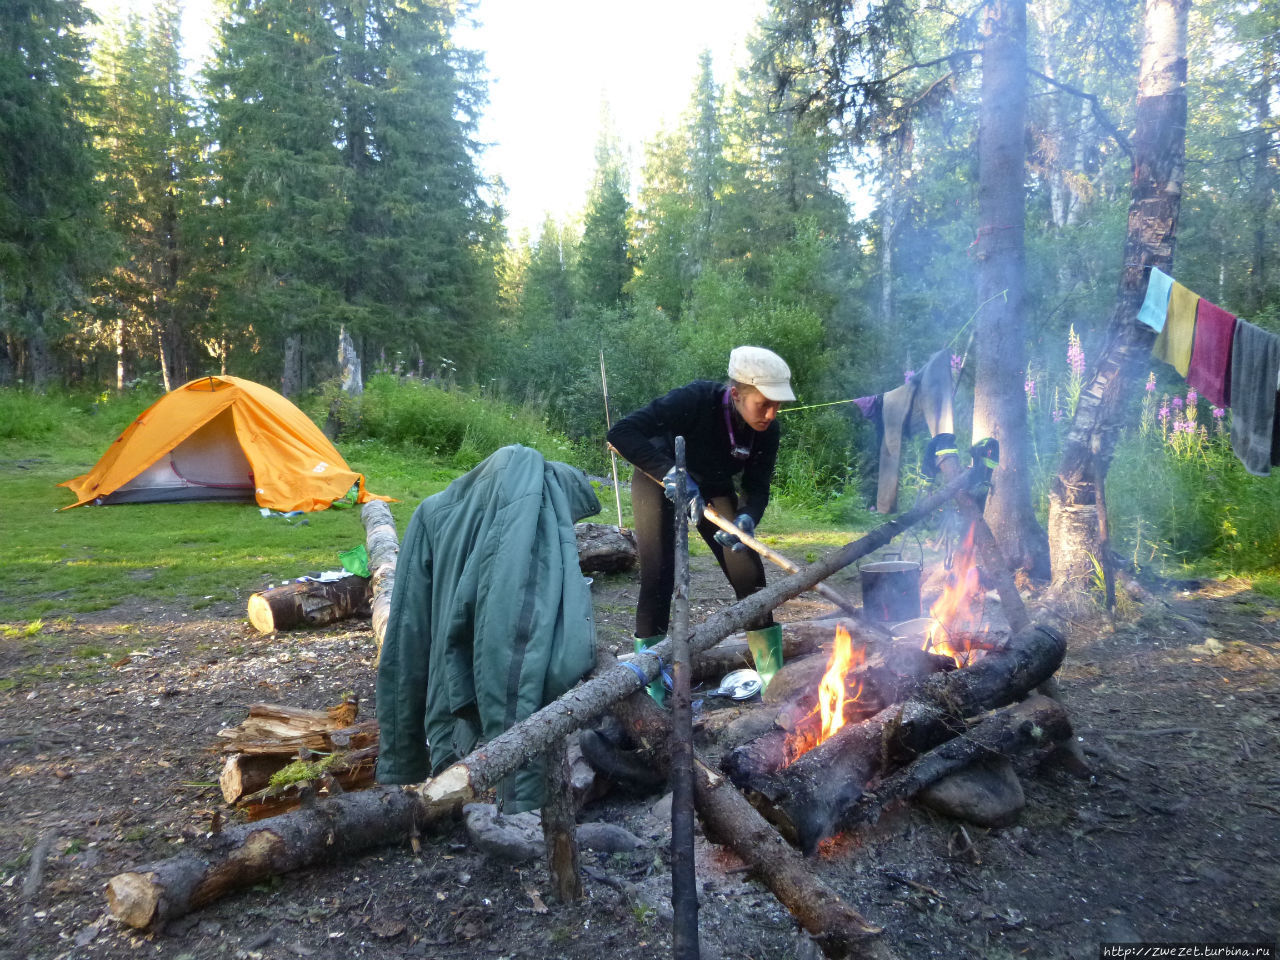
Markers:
point(729, 430)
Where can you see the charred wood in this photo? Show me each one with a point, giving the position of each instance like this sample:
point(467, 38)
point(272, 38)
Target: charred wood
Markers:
point(810, 798)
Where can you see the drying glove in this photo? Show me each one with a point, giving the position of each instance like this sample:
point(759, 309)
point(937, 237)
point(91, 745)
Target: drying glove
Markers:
point(657, 689)
point(743, 523)
point(696, 504)
point(766, 651)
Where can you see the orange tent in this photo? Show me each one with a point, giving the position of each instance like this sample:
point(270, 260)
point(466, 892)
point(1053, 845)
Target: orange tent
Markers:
point(221, 438)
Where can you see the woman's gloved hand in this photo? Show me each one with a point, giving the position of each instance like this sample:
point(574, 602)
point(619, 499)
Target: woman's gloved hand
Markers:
point(696, 504)
point(743, 523)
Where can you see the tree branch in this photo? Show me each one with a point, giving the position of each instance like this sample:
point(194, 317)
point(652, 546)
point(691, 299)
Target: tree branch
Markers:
point(1098, 113)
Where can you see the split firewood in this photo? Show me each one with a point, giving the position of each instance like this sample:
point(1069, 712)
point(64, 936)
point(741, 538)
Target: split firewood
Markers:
point(342, 826)
point(810, 798)
point(605, 548)
point(330, 775)
point(1037, 722)
point(274, 721)
point(311, 603)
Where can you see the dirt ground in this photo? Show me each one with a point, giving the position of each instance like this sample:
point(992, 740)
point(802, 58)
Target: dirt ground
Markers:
point(103, 767)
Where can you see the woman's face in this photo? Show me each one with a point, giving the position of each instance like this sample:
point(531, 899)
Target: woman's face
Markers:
point(754, 407)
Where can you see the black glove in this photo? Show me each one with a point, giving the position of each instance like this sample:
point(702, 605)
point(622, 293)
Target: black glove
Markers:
point(743, 523)
point(696, 505)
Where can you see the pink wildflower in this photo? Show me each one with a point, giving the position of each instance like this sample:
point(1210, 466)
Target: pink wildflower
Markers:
point(1029, 385)
point(1218, 412)
point(1192, 397)
point(1151, 382)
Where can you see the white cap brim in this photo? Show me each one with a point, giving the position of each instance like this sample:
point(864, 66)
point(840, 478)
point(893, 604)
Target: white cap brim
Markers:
point(777, 390)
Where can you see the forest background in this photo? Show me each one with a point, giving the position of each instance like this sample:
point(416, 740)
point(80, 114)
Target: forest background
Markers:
point(319, 184)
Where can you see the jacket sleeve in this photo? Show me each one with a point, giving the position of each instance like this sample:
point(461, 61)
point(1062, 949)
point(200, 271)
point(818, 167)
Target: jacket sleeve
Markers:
point(758, 475)
point(632, 435)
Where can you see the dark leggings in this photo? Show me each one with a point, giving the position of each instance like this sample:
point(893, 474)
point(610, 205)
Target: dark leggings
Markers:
point(655, 536)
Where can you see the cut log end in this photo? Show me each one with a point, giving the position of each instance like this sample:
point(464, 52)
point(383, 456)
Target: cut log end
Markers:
point(260, 615)
point(134, 899)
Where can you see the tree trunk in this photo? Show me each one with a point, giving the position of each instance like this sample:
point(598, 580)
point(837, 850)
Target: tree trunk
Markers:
point(309, 604)
point(291, 378)
point(1000, 403)
point(1159, 147)
point(810, 798)
point(349, 364)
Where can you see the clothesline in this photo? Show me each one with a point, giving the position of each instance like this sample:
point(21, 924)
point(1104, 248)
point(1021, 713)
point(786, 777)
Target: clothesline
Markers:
point(1231, 362)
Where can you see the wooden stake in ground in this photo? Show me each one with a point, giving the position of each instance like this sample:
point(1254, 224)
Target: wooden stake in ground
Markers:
point(684, 891)
point(559, 825)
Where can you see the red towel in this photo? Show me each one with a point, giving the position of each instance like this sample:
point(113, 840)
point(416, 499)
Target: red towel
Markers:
point(1210, 370)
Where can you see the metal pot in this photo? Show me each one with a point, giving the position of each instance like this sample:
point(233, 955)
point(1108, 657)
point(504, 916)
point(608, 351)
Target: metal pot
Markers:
point(890, 590)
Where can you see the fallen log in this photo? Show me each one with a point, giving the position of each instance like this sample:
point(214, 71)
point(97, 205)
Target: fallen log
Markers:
point(244, 855)
point(309, 603)
point(247, 855)
point(605, 548)
point(810, 798)
point(383, 547)
point(1036, 722)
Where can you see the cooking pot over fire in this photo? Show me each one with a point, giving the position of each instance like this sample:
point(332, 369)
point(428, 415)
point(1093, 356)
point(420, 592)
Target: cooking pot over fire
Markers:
point(891, 589)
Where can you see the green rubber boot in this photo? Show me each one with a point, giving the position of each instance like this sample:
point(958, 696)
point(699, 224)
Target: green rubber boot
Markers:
point(657, 689)
point(766, 650)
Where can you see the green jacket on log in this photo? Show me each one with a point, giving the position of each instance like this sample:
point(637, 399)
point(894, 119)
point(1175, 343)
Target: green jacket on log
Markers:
point(490, 620)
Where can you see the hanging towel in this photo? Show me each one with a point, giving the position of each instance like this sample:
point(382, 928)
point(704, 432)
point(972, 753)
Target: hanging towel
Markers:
point(1255, 364)
point(1173, 346)
point(896, 416)
point(1210, 370)
point(1156, 304)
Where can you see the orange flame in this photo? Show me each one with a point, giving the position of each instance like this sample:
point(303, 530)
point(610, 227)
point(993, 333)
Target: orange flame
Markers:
point(831, 691)
point(959, 608)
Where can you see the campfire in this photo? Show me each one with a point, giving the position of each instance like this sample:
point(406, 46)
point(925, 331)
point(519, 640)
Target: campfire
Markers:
point(957, 614)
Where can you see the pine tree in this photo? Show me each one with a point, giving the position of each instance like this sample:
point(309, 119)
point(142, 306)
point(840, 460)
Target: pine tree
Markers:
point(605, 252)
point(51, 243)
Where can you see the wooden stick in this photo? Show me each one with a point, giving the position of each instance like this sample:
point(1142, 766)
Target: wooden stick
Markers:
point(684, 891)
point(714, 516)
point(559, 826)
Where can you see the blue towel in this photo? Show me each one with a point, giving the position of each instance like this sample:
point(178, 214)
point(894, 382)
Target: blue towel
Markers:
point(1156, 305)
point(1255, 365)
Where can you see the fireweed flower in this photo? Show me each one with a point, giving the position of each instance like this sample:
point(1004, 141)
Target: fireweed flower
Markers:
point(907, 375)
point(1151, 382)
point(1029, 385)
point(1218, 412)
point(1192, 397)
point(1163, 413)
point(1177, 403)
point(1075, 353)
point(957, 362)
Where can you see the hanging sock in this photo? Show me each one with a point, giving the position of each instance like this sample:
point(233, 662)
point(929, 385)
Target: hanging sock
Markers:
point(657, 689)
point(766, 651)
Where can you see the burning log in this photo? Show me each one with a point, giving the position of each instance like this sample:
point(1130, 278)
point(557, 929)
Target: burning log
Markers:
point(810, 798)
point(310, 603)
point(1035, 722)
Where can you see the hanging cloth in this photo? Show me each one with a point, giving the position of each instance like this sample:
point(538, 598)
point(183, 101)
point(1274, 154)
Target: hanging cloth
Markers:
point(1210, 370)
point(1255, 365)
point(1173, 345)
point(1156, 305)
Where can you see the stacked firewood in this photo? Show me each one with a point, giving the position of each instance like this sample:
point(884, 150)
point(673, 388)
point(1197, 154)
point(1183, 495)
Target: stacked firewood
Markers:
point(281, 756)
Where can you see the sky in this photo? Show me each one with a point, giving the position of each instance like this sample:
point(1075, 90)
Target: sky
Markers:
point(553, 65)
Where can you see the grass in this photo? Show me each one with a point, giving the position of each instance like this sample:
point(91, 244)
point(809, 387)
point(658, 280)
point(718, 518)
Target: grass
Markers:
point(59, 563)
